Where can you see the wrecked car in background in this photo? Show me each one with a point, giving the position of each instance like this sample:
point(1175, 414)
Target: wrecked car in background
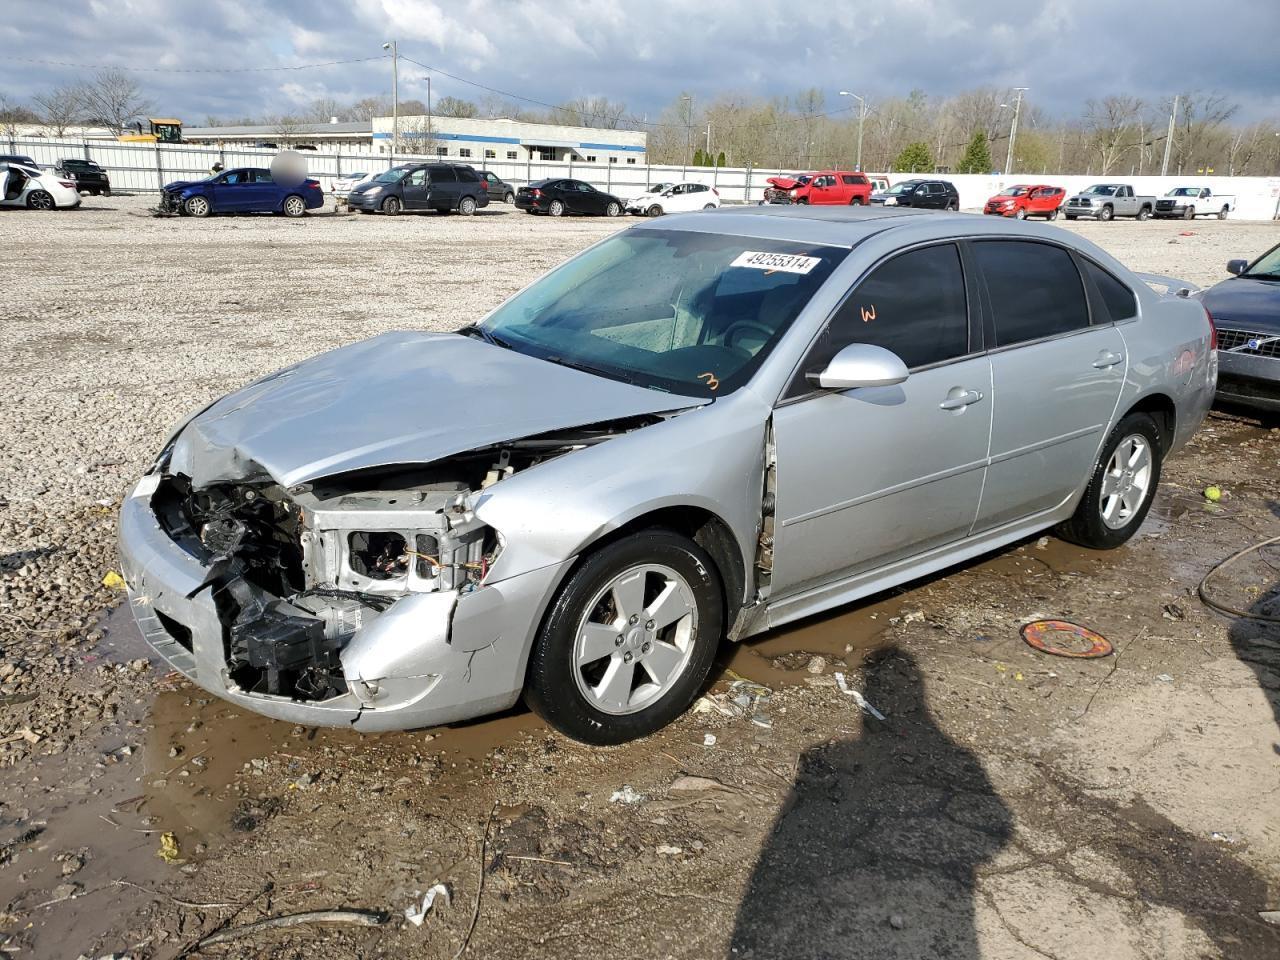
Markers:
point(698, 428)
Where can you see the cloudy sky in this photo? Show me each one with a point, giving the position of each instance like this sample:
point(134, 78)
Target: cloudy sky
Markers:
point(646, 53)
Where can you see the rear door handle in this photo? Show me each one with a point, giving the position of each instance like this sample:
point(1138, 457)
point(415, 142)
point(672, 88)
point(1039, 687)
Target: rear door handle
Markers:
point(1108, 359)
point(960, 400)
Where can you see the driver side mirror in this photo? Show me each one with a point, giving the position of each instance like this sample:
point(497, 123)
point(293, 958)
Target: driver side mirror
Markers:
point(1236, 267)
point(861, 365)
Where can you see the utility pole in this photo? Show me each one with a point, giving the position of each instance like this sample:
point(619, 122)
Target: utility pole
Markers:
point(862, 119)
point(1168, 141)
point(431, 125)
point(688, 128)
point(708, 138)
point(1013, 130)
point(395, 96)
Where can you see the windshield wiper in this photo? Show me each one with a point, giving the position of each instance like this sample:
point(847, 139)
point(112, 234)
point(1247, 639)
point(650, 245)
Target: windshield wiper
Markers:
point(588, 368)
point(1261, 276)
point(472, 330)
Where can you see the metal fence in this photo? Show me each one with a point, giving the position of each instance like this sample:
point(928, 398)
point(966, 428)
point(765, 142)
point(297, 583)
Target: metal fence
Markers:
point(145, 167)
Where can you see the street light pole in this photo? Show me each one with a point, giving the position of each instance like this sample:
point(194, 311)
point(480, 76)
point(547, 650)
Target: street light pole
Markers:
point(1168, 140)
point(395, 96)
point(862, 119)
point(1013, 130)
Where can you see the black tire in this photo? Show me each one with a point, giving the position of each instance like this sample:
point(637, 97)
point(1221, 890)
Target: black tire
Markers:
point(709, 206)
point(1086, 527)
point(391, 206)
point(1188, 213)
point(294, 206)
point(655, 210)
point(551, 689)
point(953, 206)
point(40, 200)
point(556, 209)
point(613, 209)
point(106, 191)
point(1053, 214)
point(1020, 214)
point(855, 201)
point(467, 206)
point(1107, 212)
point(509, 198)
point(1071, 216)
point(1144, 213)
point(1222, 214)
point(197, 206)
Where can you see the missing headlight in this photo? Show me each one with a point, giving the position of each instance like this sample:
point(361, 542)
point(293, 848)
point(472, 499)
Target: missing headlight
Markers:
point(378, 555)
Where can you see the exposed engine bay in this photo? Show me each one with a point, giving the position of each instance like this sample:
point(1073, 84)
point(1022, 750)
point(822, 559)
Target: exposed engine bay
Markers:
point(297, 572)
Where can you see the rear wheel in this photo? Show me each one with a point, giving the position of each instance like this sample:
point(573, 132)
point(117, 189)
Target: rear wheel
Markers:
point(556, 209)
point(1222, 214)
point(391, 206)
point(1053, 214)
point(294, 206)
point(855, 201)
point(1122, 486)
point(614, 209)
point(40, 200)
point(953, 205)
point(628, 640)
point(509, 198)
point(467, 206)
point(1144, 213)
point(197, 206)
point(1106, 213)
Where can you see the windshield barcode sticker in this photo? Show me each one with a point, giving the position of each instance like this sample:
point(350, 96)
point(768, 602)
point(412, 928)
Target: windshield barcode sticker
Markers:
point(785, 262)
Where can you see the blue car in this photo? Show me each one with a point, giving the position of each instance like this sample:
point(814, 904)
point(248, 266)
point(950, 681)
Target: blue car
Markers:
point(246, 190)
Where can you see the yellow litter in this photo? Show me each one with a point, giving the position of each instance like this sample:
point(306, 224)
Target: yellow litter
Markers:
point(168, 851)
point(113, 581)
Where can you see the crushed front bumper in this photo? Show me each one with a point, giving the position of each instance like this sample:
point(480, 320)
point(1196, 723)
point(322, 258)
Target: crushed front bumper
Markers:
point(430, 658)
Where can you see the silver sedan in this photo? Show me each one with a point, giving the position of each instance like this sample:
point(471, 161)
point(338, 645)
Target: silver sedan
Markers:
point(700, 428)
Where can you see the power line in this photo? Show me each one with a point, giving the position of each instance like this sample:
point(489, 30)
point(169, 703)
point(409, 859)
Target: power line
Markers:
point(116, 66)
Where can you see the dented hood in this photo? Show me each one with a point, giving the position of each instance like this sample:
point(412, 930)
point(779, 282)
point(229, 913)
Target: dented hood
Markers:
point(397, 398)
point(783, 183)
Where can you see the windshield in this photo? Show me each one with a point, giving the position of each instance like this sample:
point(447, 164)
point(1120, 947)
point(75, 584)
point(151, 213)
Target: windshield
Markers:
point(394, 175)
point(1012, 192)
point(1267, 266)
point(1102, 189)
point(904, 187)
point(1184, 192)
point(673, 310)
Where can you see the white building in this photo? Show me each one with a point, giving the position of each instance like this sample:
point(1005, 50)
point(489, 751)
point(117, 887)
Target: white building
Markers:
point(510, 140)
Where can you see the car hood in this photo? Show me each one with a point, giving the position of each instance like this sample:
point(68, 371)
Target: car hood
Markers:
point(783, 183)
point(398, 398)
point(364, 186)
point(179, 185)
point(1242, 302)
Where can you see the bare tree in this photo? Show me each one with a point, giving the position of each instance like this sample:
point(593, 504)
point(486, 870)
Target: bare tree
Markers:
point(592, 112)
point(61, 108)
point(1198, 138)
point(366, 109)
point(1112, 124)
point(286, 129)
point(114, 100)
point(455, 107)
point(12, 114)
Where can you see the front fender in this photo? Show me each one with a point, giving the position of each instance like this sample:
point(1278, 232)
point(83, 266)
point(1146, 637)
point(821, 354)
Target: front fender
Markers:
point(711, 458)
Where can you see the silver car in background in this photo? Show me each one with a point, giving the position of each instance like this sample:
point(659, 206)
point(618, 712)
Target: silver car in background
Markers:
point(702, 427)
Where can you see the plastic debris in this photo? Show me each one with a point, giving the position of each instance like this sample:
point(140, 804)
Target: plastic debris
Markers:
point(169, 851)
point(1270, 916)
point(1213, 493)
point(1165, 678)
point(858, 698)
point(750, 698)
point(627, 794)
point(669, 851)
point(1061, 638)
point(1217, 837)
point(708, 739)
point(415, 914)
point(113, 581)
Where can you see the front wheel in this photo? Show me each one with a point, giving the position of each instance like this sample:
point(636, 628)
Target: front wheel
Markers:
point(467, 206)
point(655, 210)
point(197, 206)
point(709, 206)
point(106, 191)
point(1021, 214)
point(614, 209)
point(391, 206)
point(628, 640)
point(1188, 213)
point(1106, 213)
point(294, 206)
point(1122, 486)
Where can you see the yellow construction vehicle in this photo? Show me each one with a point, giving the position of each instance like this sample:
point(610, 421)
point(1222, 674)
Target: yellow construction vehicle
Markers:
point(163, 130)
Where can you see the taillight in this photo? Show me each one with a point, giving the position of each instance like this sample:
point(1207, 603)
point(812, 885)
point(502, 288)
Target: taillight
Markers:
point(1213, 329)
point(715, 191)
point(536, 193)
point(68, 183)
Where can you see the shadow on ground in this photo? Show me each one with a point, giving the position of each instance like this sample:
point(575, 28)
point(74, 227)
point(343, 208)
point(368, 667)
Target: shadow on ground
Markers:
point(877, 849)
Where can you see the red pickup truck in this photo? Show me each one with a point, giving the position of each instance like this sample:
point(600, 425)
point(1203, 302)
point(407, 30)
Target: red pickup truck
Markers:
point(1024, 201)
point(823, 187)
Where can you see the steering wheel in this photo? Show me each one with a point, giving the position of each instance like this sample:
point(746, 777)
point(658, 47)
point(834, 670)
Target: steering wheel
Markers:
point(739, 326)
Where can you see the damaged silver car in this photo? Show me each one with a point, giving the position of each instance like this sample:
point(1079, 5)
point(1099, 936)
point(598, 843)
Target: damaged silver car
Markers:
point(699, 428)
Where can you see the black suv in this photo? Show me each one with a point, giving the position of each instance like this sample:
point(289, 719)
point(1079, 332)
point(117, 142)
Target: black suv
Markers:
point(924, 194)
point(88, 176)
point(443, 187)
point(498, 188)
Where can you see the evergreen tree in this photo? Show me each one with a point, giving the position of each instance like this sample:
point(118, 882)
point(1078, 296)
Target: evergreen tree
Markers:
point(977, 156)
point(914, 158)
point(720, 159)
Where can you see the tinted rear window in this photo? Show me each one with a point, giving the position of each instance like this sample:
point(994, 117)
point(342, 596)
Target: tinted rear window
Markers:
point(1119, 300)
point(466, 174)
point(1035, 290)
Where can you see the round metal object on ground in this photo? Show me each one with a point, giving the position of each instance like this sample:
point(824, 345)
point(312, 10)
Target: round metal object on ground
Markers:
point(1061, 638)
point(1127, 481)
point(635, 640)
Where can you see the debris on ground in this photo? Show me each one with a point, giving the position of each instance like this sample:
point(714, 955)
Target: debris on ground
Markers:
point(750, 699)
point(113, 581)
point(169, 851)
point(1061, 638)
point(363, 918)
point(628, 795)
point(1213, 493)
point(708, 739)
point(416, 913)
point(858, 698)
point(690, 783)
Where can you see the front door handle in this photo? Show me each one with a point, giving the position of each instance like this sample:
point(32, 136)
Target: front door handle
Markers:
point(958, 400)
point(1107, 359)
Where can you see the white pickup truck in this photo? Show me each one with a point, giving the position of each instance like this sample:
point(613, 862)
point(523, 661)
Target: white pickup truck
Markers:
point(1191, 202)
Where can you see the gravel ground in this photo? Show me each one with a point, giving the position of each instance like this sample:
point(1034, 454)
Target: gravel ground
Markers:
point(1009, 807)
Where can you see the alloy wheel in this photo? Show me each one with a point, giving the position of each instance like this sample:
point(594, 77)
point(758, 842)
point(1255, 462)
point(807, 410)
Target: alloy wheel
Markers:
point(635, 640)
point(40, 200)
point(1127, 482)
